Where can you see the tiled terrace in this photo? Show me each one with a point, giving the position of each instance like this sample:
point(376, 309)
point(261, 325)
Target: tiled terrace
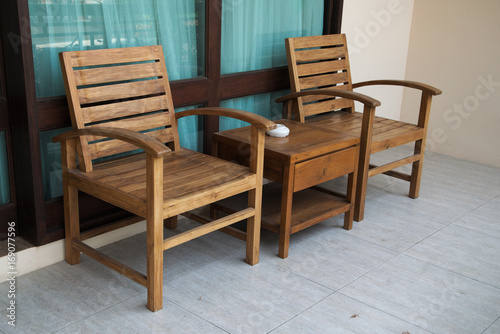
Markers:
point(430, 265)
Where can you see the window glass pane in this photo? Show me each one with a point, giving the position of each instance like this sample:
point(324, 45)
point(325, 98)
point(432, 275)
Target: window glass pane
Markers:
point(254, 31)
point(261, 104)
point(4, 171)
point(80, 25)
point(191, 130)
point(51, 163)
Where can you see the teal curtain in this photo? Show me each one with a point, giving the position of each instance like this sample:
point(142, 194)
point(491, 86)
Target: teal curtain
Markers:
point(253, 38)
point(60, 27)
point(4, 171)
point(254, 31)
point(80, 25)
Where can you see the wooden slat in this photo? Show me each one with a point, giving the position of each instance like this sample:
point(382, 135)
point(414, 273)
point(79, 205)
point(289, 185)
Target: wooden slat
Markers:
point(203, 177)
point(110, 147)
point(319, 54)
point(207, 228)
point(129, 175)
point(324, 80)
point(228, 229)
point(179, 205)
point(383, 125)
point(114, 56)
point(322, 67)
point(124, 109)
point(396, 174)
point(120, 91)
point(393, 165)
point(326, 106)
point(140, 123)
point(396, 132)
point(382, 142)
point(318, 41)
point(111, 263)
point(334, 118)
point(108, 228)
point(85, 183)
point(117, 73)
point(352, 125)
point(314, 98)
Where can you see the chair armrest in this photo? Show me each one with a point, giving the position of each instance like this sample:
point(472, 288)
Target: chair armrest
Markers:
point(254, 119)
point(366, 100)
point(406, 83)
point(148, 144)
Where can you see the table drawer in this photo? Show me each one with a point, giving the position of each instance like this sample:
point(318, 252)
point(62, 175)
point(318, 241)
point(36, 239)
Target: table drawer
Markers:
point(324, 168)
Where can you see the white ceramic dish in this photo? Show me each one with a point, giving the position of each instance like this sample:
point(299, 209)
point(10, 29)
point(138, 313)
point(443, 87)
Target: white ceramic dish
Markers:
point(280, 131)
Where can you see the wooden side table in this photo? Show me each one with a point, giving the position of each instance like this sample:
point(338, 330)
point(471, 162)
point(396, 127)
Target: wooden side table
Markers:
point(306, 158)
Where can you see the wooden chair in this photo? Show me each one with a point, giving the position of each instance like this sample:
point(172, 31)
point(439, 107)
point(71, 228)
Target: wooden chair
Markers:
point(320, 77)
point(119, 101)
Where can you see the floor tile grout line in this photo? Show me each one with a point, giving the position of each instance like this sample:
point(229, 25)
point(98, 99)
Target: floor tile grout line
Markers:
point(96, 313)
point(331, 292)
point(369, 271)
point(451, 271)
point(471, 211)
point(431, 264)
point(472, 230)
point(394, 251)
point(389, 314)
point(307, 308)
point(489, 326)
point(195, 315)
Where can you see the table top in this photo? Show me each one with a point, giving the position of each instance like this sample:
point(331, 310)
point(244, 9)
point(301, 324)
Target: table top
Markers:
point(304, 141)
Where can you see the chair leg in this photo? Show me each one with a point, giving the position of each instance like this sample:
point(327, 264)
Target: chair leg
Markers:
point(170, 223)
point(364, 162)
point(286, 211)
point(154, 232)
point(361, 183)
point(253, 227)
point(155, 264)
point(416, 171)
point(351, 194)
point(359, 205)
point(72, 223)
point(256, 165)
point(213, 212)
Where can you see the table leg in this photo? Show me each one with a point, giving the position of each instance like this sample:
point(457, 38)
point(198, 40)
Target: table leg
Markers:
point(286, 210)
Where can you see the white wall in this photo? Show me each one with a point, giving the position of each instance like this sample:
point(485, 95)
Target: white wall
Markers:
point(455, 46)
point(378, 34)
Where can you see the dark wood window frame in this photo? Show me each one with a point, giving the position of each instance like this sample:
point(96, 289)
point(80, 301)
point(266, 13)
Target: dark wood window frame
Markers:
point(42, 221)
point(8, 212)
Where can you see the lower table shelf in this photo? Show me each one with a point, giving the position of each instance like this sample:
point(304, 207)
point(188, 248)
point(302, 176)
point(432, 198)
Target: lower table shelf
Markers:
point(310, 206)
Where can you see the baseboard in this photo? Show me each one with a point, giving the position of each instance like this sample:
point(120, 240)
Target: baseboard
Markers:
point(34, 258)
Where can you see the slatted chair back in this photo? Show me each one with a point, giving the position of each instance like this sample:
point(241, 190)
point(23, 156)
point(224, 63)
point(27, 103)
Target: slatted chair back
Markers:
point(316, 63)
point(107, 88)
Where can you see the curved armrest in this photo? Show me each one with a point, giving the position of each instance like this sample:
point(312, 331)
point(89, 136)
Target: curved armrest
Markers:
point(366, 100)
point(254, 119)
point(406, 83)
point(148, 144)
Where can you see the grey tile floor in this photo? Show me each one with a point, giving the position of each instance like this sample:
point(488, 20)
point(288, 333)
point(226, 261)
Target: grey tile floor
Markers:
point(430, 265)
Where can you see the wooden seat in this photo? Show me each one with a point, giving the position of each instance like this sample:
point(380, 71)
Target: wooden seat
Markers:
point(120, 101)
point(322, 95)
